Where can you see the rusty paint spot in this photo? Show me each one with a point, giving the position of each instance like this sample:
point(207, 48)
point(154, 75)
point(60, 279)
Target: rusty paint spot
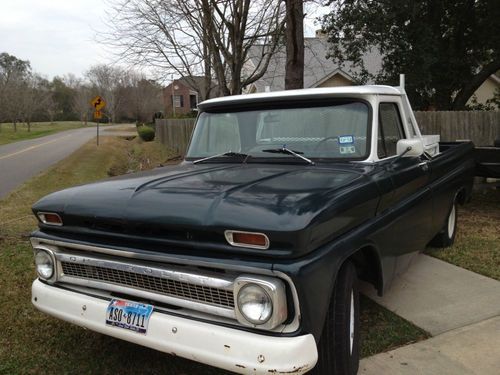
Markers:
point(227, 346)
point(240, 366)
point(295, 370)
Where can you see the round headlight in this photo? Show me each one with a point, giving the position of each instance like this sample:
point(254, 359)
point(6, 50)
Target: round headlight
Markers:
point(44, 264)
point(255, 304)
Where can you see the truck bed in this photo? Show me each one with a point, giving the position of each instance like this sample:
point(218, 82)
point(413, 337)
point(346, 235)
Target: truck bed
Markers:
point(487, 158)
point(487, 161)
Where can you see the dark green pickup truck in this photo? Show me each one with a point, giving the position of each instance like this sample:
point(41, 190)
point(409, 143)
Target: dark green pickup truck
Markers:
point(247, 255)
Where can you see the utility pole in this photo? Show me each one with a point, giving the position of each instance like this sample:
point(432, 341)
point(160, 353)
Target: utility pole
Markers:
point(173, 96)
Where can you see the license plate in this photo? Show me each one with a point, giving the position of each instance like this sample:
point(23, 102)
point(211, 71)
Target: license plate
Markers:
point(129, 315)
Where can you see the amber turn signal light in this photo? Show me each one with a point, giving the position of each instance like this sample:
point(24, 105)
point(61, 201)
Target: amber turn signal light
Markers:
point(247, 239)
point(50, 218)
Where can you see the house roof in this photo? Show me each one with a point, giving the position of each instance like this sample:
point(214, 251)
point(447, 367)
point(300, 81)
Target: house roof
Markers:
point(290, 95)
point(317, 67)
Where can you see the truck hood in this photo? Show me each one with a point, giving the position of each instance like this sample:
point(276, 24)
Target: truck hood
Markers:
point(283, 201)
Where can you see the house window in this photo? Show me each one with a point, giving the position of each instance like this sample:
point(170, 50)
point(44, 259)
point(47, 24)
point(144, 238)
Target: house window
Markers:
point(193, 101)
point(390, 129)
point(178, 101)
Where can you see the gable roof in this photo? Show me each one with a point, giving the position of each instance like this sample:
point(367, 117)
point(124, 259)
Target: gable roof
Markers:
point(317, 68)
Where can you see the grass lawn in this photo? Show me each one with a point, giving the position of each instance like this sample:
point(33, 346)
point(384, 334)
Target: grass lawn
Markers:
point(124, 128)
point(38, 129)
point(477, 243)
point(33, 343)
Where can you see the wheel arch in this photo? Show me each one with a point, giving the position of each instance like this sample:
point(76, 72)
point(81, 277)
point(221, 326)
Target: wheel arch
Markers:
point(462, 196)
point(368, 266)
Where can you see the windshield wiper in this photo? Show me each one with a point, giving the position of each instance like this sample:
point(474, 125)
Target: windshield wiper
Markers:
point(287, 151)
point(225, 154)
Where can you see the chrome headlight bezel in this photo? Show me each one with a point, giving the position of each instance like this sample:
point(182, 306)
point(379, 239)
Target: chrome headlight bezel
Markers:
point(274, 289)
point(49, 254)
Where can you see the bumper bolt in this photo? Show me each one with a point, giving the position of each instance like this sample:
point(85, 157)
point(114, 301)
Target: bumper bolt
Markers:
point(174, 330)
point(261, 358)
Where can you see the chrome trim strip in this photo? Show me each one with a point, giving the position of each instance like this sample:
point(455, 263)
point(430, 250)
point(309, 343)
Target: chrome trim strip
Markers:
point(154, 257)
point(229, 238)
point(207, 280)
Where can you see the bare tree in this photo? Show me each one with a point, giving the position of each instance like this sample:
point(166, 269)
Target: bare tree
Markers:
point(209, 38)
point(81, 99)
point(13, 75)
point(142, 97)
point(106, 81)
point(36, 95)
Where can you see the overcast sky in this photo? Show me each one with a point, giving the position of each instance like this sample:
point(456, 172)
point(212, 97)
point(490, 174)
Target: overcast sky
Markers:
point(58, 36)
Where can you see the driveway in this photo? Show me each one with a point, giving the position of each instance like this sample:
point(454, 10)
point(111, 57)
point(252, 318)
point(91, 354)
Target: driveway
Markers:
point(460, 308)
point(22, 160)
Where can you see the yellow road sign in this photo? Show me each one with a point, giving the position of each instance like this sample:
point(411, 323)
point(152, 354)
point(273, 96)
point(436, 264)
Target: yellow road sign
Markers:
point(97, 114)
point(98, 103)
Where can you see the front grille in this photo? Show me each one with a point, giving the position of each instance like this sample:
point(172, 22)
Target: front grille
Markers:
point(168, 287)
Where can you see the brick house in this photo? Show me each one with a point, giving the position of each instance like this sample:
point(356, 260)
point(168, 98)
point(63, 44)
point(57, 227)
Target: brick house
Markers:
point(179, 98)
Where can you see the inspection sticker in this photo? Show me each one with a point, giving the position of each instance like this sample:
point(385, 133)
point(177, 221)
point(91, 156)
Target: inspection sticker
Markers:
point(347, 150)
point(346, 139)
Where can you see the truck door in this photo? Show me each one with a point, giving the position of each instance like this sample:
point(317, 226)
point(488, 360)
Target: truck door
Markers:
point(410, 202)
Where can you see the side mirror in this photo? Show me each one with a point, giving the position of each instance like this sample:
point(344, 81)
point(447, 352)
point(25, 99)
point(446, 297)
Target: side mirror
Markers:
point(410, 147)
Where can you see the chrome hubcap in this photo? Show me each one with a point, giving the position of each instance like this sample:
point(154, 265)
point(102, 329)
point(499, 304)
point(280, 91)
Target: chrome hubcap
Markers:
point(351, 322)
point(451, 221)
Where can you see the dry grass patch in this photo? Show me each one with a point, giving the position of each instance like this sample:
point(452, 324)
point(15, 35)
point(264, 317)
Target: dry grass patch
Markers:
point(125, 128)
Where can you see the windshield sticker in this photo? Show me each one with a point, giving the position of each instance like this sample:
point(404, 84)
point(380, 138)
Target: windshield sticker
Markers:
point(347, 150)
point(346, 139)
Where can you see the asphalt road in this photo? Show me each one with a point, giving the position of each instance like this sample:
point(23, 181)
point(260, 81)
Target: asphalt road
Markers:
point(21, 160)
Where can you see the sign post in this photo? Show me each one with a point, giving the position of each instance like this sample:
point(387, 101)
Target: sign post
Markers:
point(98, 103)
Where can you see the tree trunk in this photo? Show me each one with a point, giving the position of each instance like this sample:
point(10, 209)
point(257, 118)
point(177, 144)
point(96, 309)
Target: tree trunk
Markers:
point(466, 92)
point(294, 34)
point(29, 125)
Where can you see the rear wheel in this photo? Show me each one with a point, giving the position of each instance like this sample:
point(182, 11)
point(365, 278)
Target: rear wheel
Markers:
point(338, 348)
point(446, 237)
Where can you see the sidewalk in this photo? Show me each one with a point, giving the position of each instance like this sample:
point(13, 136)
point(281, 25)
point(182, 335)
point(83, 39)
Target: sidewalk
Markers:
point(460, 308)
point(438, 296)
point(474, 349)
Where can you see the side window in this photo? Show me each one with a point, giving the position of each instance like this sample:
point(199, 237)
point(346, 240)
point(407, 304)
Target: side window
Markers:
point(390, 129)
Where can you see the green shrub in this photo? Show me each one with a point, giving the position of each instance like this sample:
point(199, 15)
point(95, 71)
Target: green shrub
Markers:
point(146, 133)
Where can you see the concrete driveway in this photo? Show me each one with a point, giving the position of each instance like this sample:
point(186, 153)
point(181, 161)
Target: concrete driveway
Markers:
point(460, 308)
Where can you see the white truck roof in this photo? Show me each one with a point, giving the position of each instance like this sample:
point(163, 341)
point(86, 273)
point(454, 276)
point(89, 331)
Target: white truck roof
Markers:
point(353, 91)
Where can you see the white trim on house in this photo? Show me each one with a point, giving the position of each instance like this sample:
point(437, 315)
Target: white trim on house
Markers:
point(332, 74)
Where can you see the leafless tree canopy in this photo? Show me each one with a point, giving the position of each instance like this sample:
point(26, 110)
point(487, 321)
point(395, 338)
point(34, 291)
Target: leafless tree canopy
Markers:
point(209, 38)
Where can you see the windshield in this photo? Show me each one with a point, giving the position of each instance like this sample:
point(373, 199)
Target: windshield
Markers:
point(336, 131)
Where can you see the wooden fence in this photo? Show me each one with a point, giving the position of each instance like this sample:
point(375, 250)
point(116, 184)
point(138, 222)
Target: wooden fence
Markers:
point(175, 133)
point(481, 127)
